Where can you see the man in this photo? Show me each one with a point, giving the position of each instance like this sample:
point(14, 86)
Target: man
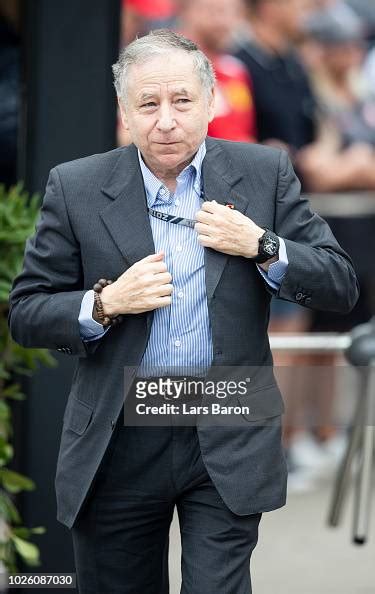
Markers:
point(210, 24)
point(284, 103)
point(189, 297)
point(285, 117)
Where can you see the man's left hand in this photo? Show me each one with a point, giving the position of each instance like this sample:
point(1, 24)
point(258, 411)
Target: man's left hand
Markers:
point(226, 230)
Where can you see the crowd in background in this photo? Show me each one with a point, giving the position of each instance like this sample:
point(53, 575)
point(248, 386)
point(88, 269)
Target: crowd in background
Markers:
point(300, 75)
point(296, 74)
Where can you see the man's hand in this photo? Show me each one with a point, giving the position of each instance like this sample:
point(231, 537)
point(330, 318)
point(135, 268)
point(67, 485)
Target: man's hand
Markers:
point(143, 287)
point(227, 230)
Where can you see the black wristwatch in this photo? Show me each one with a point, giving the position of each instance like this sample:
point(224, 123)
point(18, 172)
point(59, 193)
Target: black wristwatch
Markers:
point(269, 245)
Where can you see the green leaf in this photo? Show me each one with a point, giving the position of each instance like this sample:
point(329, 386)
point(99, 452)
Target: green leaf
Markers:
point(21, 531)
point(4, 410)
point(13, 391)
point(6, 451)
point(8, 510)
point(3, 373)
point(27, 550)
point(15, 482)
point(38, 530)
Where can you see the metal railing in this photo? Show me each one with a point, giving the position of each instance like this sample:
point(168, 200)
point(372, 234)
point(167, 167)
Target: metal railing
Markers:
point(359, 349)
point(343, 204)
point(310, 343)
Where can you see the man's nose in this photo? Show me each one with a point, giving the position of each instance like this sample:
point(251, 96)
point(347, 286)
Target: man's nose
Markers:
point(165, 121)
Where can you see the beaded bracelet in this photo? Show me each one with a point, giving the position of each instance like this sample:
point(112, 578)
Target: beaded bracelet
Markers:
point(104, 320)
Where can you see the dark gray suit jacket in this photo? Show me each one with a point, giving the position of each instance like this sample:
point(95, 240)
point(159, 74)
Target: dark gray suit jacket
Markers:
point(93, 224)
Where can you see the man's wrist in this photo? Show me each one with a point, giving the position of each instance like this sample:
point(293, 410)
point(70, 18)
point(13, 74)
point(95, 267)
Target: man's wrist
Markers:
point(109, 308)
point(252, 243)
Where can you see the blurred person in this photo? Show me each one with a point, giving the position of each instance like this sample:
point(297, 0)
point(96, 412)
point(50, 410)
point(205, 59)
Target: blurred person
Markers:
point(342, 159)
point(285, 115)
point(190, 296)
point(284, 102)
point(211, 23)
point(343, 156)
point(138, 17)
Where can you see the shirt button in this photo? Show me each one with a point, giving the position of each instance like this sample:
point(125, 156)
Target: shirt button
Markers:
point(180, 294)
point(162, 191)
point(177, 202)
point(179, 248)
point(177, 343)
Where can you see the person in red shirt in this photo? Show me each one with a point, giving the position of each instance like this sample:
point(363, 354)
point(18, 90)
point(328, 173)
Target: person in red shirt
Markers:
point(138, 17)
point(210, 23)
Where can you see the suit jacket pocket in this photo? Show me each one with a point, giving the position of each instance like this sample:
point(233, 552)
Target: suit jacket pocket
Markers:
point(77, 416)
point(264, 403)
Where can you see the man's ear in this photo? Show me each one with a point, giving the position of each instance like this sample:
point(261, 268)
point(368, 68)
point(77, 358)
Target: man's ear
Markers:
point(124, 118)
point(211, 105)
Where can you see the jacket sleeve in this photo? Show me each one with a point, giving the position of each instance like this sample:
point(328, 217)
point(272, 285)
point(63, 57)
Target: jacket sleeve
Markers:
point(320, 274)
point(45, 299)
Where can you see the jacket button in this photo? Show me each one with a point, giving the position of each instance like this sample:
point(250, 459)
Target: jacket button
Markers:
point(299, 296)
point(112, 424)
point(308, 301)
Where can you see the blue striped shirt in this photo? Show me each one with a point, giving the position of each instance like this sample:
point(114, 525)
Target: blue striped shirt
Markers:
point(180, 342)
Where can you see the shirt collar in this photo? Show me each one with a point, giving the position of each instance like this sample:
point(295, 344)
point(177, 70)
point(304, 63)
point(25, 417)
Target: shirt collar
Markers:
point(153, 185)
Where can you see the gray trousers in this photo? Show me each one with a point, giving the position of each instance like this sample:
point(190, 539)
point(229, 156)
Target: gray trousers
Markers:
point(121, 535)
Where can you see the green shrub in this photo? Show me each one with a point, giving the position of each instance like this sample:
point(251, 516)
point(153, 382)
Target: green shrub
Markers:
point(18, 216)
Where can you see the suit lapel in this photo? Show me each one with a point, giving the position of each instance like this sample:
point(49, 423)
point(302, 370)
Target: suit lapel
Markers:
point(126, 216)
point(219, 177)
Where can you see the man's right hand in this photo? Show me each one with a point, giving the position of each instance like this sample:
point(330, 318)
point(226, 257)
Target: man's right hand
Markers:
point(143, 287)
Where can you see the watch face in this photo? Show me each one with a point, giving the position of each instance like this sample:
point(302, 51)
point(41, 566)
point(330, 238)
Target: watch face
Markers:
point(270, 245)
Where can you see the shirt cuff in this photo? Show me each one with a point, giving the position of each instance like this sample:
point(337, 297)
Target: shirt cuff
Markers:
point(89, 328)
point(276, 270)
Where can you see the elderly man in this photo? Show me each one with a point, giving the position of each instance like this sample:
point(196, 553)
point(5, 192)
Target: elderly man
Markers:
point(196, 234)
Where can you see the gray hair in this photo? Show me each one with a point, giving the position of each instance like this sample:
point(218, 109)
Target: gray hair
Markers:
point(154, 44)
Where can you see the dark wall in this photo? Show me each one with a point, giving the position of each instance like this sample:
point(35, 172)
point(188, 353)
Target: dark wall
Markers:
point(69, 111)
point(68, 96)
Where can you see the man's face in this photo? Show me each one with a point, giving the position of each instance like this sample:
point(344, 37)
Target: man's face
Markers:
point(290, 14)
point(212, 22)
point(167, 111)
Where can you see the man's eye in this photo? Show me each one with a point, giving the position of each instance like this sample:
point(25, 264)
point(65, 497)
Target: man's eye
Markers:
point(149, 104)
point(183, 100)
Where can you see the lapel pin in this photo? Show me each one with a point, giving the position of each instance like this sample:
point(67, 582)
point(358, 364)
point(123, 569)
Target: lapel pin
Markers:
point(229, 205)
